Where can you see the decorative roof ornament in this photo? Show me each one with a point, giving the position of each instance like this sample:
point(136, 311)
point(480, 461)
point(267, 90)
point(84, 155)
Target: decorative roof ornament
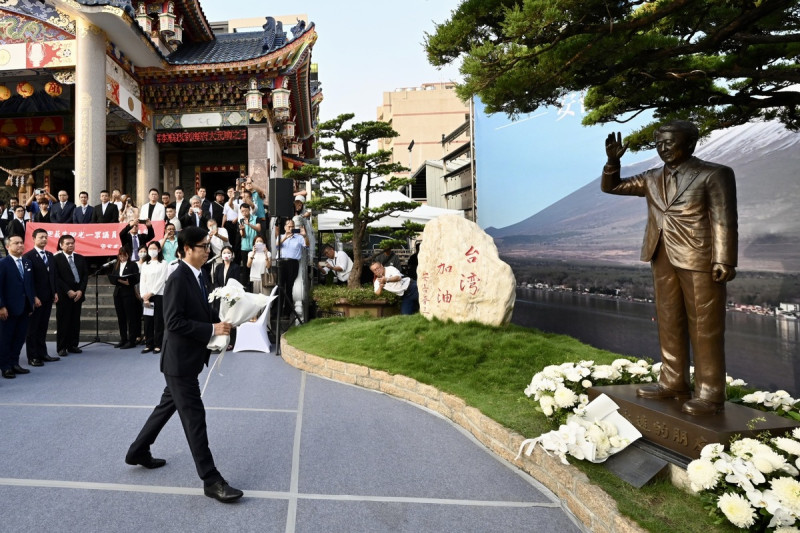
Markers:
point(274, 36)
point(298, 28)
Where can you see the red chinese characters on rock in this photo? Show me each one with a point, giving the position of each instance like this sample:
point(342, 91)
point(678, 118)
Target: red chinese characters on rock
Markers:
point(426, 289)
point(469, 283)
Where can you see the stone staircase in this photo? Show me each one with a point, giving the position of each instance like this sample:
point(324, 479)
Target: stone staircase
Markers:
point(107, 315)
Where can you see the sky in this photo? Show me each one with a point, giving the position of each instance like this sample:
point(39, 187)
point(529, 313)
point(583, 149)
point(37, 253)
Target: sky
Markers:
point(366, 48)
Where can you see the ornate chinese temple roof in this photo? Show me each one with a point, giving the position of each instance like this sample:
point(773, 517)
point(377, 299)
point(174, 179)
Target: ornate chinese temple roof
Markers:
point(232, 47)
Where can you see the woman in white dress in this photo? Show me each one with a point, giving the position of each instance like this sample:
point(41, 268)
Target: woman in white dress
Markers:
point(259, 261)
point(151, 287)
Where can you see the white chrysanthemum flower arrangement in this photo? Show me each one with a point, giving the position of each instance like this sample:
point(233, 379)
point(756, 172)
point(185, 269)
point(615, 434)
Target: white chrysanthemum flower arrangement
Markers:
point(753, 485)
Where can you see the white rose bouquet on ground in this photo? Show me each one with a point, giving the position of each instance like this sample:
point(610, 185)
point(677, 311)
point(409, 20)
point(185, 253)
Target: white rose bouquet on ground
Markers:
point(236, 306)
point(753, 485)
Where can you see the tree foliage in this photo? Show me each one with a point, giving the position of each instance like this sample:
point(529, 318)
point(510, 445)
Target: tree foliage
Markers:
point(718, 63)
point(353, 174)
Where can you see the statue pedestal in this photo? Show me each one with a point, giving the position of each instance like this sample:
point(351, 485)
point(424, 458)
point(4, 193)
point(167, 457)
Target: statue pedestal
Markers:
point(662, 423)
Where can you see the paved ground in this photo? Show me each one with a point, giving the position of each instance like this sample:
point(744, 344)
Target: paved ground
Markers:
point(310, 454)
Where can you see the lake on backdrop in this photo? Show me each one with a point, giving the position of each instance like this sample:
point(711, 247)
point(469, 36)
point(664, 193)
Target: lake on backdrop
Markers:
point(763, 351)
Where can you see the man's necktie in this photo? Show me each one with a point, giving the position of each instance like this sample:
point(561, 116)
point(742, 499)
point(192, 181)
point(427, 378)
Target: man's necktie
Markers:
point(202, 286)
point(74, 270)
point(21, 270)
point(44, 257)
point(84, 210)
point(135, 241)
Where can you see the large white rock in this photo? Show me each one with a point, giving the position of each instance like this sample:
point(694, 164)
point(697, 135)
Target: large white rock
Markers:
point(460, 274)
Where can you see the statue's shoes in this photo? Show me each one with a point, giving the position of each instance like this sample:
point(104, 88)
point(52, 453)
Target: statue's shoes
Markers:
point(700, 407)
point(658, 392)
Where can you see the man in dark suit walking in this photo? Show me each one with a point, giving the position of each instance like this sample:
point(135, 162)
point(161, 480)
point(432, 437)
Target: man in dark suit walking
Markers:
point(190, 324)
point(44, 286)
point(72, 275)
point(105, 212)
point(691, 242)
point(82, 214)
point(62, 210)
point(16, 304)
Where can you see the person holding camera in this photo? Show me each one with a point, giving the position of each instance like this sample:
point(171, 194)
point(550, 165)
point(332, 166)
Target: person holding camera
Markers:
point(257, 195)
point(291, 246)
point(195, 216)
point(249, 228)
point(34, 204)
point(337, 262)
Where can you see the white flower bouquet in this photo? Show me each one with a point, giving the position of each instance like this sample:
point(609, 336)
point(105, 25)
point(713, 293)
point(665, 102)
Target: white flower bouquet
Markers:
point(594, 435)
point(753, 485)
point(561, 389)
point(236, 306)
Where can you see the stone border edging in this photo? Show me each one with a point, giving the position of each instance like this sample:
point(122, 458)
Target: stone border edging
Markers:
point(589, 503)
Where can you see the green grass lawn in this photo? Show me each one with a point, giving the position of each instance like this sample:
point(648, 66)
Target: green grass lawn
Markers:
point(489, 368)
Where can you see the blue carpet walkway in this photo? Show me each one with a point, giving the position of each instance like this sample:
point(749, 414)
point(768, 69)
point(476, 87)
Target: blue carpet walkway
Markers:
point(311, 455)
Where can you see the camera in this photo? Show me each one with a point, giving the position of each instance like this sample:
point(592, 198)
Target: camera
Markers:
point(242, 221)
point(38, 191)
point(295, 230)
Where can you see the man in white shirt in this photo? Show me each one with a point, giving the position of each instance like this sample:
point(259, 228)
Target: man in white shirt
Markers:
point(172, 217)
point(338, 262)
point(392, 280)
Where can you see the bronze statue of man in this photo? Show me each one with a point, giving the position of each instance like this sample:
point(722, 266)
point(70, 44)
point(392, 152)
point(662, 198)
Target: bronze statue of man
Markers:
point(691, 242)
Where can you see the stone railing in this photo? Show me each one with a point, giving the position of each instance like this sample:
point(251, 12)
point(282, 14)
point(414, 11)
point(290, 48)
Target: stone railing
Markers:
point(589, 503)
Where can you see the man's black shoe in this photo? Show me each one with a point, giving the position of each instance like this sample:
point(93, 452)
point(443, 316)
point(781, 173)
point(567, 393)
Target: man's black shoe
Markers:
point(48, 359)
point(9, 374)
point(35, 362)
point(62, 353)
point(147, 461)
point(19, 370)
point(128, 346)
point(223, 492)
point(74, 350)
point(120, 344)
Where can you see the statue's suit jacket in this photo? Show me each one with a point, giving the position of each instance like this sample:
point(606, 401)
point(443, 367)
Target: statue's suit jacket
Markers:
point(698, 227)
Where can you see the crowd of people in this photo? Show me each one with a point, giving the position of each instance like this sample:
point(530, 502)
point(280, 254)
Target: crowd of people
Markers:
point(237, 225)
point(236, 222)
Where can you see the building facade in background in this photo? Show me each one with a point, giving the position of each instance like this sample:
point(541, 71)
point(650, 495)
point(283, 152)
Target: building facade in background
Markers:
point(435, 132)
point(134, 95)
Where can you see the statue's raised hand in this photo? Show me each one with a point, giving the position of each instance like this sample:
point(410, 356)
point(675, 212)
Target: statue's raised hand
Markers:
point(614, 148)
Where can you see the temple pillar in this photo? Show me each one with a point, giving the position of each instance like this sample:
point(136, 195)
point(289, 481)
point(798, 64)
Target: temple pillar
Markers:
point(90, 111)
point(146, 166)
point(258, 136)
point(171, 172)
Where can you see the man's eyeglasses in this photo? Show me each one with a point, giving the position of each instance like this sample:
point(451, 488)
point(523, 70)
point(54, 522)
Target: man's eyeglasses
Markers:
point(207, 246)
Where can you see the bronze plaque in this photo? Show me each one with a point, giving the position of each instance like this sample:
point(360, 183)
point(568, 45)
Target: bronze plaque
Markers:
point(662, 422)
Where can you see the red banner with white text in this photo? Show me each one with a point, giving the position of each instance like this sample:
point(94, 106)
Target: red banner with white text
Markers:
point(90, 239)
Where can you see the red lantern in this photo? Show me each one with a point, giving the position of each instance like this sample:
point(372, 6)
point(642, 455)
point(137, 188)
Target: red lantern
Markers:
point(25, 89)
point(5, 93)
point(53, 88)
point(43, 140)
point(22, 141)
point(4, 142)
point(62, 138)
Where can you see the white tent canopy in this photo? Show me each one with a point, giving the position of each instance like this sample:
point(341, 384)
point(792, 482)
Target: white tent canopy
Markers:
point(331, 219)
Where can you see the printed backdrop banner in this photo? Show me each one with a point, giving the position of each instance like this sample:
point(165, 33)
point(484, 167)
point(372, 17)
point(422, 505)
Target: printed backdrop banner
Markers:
point(90, 239)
